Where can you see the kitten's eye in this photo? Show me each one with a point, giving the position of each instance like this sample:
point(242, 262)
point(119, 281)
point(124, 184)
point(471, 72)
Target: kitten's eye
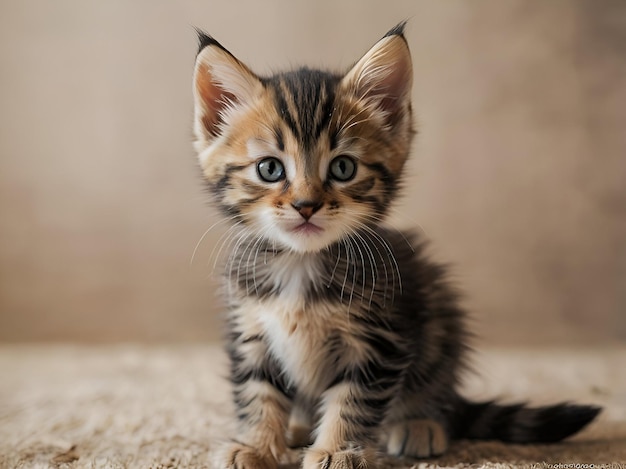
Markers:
point(342, 168)
point(271, 169)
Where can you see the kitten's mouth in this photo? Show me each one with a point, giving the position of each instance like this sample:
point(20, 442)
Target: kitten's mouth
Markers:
point(307, 228)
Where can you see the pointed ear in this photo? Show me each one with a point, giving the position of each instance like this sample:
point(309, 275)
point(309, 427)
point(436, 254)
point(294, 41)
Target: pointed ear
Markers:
point(220, 84)
point(384, 75)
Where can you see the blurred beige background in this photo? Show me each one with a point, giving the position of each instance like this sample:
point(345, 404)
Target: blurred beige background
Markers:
point(518, 177)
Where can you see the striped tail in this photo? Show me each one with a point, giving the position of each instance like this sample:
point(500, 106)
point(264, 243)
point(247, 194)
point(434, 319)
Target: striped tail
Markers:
point(517, 423)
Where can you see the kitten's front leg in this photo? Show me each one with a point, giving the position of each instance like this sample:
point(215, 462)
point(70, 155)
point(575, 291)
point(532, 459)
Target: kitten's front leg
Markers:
point(352, 413)
point(262, 407)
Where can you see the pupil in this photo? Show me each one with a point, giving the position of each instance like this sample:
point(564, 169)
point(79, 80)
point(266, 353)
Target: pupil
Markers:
point(272, 167)
point(342, 166)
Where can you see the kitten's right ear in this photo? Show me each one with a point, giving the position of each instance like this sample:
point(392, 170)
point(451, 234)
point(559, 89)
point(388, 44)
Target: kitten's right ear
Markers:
point(220, 84)
point(384, 75)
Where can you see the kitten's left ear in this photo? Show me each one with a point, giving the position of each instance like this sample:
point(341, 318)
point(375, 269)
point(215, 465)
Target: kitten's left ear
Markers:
point(221, 84)
point(384, 75)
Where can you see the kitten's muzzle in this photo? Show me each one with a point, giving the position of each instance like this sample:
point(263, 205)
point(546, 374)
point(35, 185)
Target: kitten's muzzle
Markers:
point(306, 208)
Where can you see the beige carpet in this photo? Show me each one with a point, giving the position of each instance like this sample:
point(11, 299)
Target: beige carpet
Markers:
point(168, 406)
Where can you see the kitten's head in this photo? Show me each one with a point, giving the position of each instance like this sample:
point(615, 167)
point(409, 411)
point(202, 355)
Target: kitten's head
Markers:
point(306, 157)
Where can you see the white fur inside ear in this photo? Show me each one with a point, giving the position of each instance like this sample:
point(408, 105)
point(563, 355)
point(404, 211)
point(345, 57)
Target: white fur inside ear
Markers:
point(228, 73)
point(384, 74)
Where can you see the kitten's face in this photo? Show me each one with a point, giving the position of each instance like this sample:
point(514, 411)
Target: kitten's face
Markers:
point(306, 157)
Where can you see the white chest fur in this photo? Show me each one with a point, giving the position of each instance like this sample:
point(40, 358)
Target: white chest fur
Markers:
point(308, 339)
point(298, 332)
point(298, 339)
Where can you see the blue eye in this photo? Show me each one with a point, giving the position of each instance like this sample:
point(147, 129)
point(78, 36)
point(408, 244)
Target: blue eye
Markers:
point(270, 169)
point(342, 168)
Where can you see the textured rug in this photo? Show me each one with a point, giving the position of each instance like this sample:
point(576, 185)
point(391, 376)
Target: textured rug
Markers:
point(126, 406)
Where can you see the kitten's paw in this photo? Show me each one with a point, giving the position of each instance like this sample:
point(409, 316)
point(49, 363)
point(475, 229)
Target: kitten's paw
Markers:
point(298, 436)
point(240, 456)
point(346, 459)
point(417, 439)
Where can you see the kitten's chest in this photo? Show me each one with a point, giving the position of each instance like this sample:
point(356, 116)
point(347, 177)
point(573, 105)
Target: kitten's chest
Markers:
point(308, 342)
point(308, 334)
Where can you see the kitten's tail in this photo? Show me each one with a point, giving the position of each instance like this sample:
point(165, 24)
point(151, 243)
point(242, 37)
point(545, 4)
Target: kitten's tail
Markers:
point(517, 423)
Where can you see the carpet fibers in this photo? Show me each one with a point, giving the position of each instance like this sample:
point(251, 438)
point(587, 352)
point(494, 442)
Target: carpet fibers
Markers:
point(132, 406)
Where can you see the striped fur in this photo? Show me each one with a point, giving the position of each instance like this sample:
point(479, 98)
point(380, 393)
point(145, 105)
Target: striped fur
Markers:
point(341, 334)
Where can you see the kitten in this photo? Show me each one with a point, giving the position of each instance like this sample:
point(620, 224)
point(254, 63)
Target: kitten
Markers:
point(341, 335)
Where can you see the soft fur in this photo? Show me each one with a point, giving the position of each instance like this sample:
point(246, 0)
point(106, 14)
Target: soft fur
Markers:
point(342, 336)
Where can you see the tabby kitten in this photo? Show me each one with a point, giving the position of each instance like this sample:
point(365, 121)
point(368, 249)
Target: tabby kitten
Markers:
point(341, 335)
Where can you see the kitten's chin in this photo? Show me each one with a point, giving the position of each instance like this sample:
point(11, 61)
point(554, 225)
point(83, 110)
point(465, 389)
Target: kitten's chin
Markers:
point(306, 237)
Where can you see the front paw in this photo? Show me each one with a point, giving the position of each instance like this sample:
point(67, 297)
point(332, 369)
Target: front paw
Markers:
point(419, 438)
point(346, 459)
point(240, 456)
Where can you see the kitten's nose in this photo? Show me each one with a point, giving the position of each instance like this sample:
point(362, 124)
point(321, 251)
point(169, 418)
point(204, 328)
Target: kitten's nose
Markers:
point(306, 208)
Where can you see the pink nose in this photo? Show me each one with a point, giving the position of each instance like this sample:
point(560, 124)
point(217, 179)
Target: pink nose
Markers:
point(306, 208)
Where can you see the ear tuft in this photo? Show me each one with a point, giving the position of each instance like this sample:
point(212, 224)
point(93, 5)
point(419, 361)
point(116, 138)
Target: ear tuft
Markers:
point(206, 40)
point(397, 30)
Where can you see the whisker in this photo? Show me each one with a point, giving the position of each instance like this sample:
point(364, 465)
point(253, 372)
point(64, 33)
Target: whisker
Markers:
point(243, 236)
point(380, 256)
point(345, 277)
point(237, 233)
point(219, 222)
point(260, 244)
point(332, 276)
point(389, 224)
point(350, 243)
point(247, 247)
point(370, 256)
point(225, 239)
point(390, 254)
point(362, 268)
